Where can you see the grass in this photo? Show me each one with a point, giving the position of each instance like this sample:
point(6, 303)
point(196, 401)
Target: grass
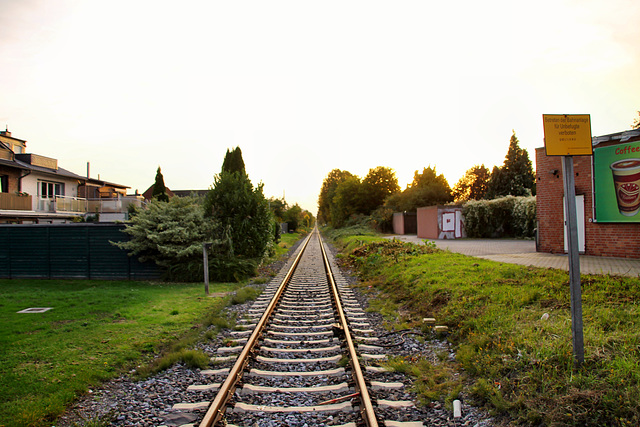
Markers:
point(517, 364)
point(98, 330)
point(287, 240)
point(95, 331)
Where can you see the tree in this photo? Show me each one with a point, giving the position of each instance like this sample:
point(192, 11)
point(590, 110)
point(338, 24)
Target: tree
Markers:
point(233, 161)
point(171, 235)
point(241, 215)
point(473, 185)
point(497, 185)
point(348, 200)
point(636, 122)
point(293, 217)
point(427, 189)
point(327, 193)
point(380, 183)
point(278, 208)
point(515, 177)
point(159, 190)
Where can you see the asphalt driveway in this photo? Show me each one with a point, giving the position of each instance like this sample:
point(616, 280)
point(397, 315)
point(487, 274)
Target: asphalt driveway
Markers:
point(523, 252)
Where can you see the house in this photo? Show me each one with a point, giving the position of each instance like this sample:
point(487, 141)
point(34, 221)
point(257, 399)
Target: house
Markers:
point(35, 189)
point(607, 187)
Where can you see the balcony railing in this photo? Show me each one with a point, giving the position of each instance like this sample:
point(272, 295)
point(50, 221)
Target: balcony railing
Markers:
point(91, 206)
point(67, 204)
point(14, 202)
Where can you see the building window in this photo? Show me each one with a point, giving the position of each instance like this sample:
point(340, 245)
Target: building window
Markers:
point(4, 183)
point(49, 190)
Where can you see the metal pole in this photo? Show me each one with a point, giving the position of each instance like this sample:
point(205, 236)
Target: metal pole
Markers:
point(574, 259)
point(205, 260)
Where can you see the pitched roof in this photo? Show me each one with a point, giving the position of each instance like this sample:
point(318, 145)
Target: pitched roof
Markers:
point(148, 194)
point(56, 172)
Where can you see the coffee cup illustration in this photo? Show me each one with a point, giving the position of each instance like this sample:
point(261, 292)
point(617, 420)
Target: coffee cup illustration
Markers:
point(626, 180)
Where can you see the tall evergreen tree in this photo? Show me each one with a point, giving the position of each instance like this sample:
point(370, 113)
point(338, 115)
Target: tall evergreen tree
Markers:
point(233, 161)
point(636, 122)
point(159, 190)
point(241, 215)
point(516, 176)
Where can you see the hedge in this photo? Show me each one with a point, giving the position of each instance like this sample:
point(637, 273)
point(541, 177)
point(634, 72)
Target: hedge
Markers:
point(504, 217)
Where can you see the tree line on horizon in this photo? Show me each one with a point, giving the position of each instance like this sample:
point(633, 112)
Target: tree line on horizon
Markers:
point(344, 196)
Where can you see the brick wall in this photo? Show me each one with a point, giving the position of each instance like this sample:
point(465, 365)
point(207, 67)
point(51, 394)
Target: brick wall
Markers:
point(14, 177)
point(601, 239)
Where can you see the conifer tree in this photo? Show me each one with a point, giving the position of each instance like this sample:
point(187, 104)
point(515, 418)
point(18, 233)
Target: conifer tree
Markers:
point(159, 190)
point(241, 214)
point(233, 161)
point(515, 177)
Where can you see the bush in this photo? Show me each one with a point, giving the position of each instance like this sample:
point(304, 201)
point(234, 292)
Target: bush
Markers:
point(171, 235)
point(504, 217)
point(524, 215)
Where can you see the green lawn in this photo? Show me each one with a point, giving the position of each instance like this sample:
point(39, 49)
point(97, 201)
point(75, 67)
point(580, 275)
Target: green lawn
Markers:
point(95, 331)
point(515, 361)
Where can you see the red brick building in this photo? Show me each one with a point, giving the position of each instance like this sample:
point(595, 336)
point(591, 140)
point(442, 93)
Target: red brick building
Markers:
point(596, 237)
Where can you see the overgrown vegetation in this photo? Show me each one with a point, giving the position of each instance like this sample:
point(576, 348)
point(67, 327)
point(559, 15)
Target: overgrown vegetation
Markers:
point(516, 362)
point(505, 217)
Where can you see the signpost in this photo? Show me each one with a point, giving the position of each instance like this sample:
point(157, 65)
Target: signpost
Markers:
point(205, 261)
point(567, 136)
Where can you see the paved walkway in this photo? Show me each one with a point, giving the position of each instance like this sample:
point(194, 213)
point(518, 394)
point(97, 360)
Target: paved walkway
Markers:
point(524, 252)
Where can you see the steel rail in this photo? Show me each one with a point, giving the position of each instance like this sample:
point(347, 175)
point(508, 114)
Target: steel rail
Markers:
point(216, 410)
point(366, 406)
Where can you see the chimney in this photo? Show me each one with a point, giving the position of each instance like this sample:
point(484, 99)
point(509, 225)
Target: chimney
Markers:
point(88, 169)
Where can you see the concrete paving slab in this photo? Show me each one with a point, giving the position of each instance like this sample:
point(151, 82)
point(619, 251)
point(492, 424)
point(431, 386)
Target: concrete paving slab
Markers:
point(523, 252)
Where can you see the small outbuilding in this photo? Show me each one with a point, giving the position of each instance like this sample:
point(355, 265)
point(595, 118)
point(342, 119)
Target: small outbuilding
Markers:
point(440, 222)
point(405, 223)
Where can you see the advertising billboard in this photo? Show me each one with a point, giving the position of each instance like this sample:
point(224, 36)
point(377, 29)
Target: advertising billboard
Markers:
point(616, 182)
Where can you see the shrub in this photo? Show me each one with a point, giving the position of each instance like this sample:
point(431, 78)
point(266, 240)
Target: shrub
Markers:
point(504, 217)
point(170, 234)
point(524, 215)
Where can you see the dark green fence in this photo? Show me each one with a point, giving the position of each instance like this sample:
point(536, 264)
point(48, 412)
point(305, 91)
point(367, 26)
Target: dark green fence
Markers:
point(56, 251)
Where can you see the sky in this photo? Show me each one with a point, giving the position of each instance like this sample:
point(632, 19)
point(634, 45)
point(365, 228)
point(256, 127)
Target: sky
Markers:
point(306, 87)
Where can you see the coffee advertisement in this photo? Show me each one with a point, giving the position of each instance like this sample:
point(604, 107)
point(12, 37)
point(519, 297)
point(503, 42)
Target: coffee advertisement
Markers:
point(616, 175)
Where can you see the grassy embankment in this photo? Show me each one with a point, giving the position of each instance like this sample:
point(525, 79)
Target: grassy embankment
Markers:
point(98, 330)
point(513, 361)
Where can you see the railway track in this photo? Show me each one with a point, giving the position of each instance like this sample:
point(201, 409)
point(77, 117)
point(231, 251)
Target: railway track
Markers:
point(306, 357)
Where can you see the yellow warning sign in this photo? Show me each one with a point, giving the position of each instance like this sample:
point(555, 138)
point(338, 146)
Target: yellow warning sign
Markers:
point(567, 134)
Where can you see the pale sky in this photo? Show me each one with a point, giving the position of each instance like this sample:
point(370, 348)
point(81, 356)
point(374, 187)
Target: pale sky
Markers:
point(305, 87)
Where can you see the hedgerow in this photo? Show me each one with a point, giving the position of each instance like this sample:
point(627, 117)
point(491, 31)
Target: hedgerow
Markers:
point(504, 217)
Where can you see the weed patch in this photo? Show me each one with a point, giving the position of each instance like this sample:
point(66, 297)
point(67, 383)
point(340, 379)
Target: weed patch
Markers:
point(511, 327)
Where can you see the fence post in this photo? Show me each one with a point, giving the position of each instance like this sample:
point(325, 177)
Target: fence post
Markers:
point(205, 260)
